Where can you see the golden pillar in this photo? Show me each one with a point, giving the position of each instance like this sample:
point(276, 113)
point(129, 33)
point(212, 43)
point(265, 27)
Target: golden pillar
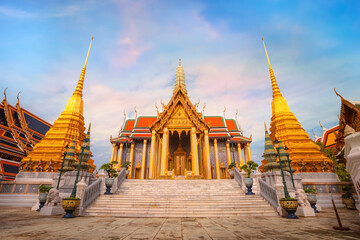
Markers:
point(240, 155)
point(246, 153)
point(152, 155)
point(216, 153)
point(112, 152)
point(249, 152)
point(194, 153)
point(131, 158)
point(228, 154)
point(207, 154)
point(120, 154)
point(143, 164)
point(164, 152)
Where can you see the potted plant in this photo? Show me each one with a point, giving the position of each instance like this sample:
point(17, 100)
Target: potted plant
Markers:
point(126, 165)
point(311, 197)
point(249, 167)
point(70, 204)
point(112, 174)
point(231, 169)
point(290, 205)
point(347, 197)
point(43, 192)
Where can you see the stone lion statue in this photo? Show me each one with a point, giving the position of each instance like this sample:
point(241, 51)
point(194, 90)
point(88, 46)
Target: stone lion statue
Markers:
point(53, 198)
point(302, 198)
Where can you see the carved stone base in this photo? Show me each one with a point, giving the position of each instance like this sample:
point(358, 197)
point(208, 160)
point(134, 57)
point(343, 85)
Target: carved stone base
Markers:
point(52, 211)
point(305, 212)
point(164, 177)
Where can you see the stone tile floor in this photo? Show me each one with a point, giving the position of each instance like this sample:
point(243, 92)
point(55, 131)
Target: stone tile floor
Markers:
point(22, 223)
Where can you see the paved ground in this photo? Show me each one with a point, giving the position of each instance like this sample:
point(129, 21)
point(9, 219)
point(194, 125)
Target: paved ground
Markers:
point(22, 223)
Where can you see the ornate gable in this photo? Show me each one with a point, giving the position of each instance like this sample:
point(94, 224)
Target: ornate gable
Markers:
point(181, 114)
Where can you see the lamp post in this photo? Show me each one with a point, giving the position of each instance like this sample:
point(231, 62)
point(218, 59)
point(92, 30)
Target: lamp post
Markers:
point(291, 174)
point(62, 165)
point(286, 193)
point(73, 193)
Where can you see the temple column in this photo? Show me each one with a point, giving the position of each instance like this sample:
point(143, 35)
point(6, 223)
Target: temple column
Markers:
point(143, 163)
point(194, 153)
point(207, 154)
point(116, 153)
point(152, 155)
point(120, 154)
point(246, 153)
point(112, 152)
point(164, 152)
point(216, 153)
point(131, 159)
point(240, 155)
point(249, 152)
point(228, 154)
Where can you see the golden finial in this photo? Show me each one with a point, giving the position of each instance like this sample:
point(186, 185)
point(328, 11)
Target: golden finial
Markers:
point(224, 111)
point(314, 134)
point(179, 61)
point(80, 84)
point(89, 127)
point(267, 56)
point(275, 87)
point(321, 126)
point(5, 93)
point(265, 126)
point(136, 113)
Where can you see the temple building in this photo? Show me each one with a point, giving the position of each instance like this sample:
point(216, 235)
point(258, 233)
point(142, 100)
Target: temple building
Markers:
point(47, 155)
point(304, 153)
point(328, 137)
point(20, 131)
point(180, 142)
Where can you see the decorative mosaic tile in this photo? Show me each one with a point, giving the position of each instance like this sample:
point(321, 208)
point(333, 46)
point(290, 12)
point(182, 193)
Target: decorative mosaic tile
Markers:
point(33, 188)
point(20, 188)
point(7, 188)
point(321, 188)
point(334, 188)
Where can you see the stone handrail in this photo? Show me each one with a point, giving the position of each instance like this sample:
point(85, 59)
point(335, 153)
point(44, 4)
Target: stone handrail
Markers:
point(120, 179)
point(268, 192)
point(91, 193)
point(237, 176)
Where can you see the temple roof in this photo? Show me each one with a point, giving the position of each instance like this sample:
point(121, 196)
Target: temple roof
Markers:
point(138, 128)
point(180, 115)
point(20, 130)
point(328, 137)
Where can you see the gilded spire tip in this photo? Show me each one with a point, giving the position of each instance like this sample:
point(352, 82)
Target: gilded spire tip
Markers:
point(267, 56)
point(179, 61)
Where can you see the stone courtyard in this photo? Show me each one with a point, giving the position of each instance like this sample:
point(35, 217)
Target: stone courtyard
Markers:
point(22, 223)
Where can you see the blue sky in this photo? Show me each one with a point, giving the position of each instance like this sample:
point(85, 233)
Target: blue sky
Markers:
point(313, 47)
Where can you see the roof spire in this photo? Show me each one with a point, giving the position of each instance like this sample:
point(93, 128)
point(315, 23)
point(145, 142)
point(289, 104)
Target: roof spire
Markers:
point(80, 84)
point(180, 78)
point(275, 87)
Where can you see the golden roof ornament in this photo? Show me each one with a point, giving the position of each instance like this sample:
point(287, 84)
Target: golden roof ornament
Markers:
point(180, 78)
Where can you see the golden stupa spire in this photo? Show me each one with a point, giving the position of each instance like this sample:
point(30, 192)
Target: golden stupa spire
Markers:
point(80, 84)
point(275, 87)
point(288, 130)
point(67, 128)
point(75, 103)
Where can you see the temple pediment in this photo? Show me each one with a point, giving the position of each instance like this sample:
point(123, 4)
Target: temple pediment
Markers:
point(180, 114)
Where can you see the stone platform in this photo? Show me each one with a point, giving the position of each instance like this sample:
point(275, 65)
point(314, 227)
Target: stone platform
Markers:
point(22, 223)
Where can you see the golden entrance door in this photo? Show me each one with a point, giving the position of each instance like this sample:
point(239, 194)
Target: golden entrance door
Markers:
point(180, 163)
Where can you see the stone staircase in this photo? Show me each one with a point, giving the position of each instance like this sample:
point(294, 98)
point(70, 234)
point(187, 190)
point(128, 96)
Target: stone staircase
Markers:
point(179, 198)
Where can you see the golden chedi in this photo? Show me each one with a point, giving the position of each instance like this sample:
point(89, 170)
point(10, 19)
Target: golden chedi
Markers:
point(69, 125)
point(284, 126)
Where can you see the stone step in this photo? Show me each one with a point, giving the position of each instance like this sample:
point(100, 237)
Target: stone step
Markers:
point(179, 198)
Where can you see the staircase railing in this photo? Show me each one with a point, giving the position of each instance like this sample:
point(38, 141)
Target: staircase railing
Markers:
point(91, 193)
point(268, 192)
point(119, 180)
point(237, 176)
